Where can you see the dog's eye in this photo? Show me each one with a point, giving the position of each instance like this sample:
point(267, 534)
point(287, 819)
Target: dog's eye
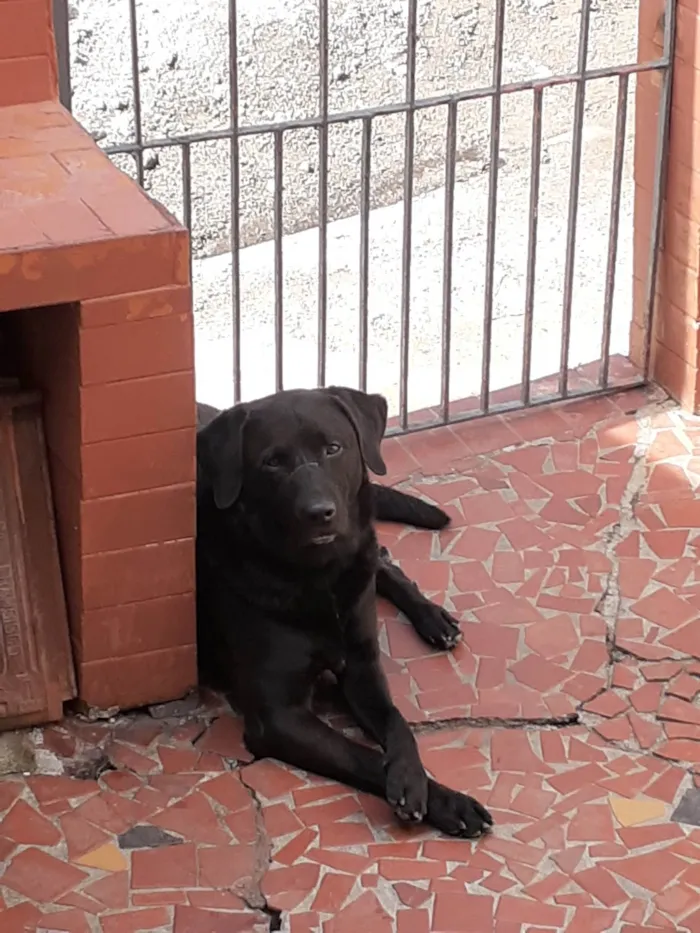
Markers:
point(273, 462)
point(332, 449)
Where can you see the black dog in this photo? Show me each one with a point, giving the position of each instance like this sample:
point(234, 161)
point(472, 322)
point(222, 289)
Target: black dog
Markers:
point(288, 568)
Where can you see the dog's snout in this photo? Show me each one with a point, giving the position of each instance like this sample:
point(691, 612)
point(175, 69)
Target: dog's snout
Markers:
point(320, 511)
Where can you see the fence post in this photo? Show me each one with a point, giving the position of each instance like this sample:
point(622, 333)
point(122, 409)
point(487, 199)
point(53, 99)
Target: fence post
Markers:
point(674, 351)
point(62, 38)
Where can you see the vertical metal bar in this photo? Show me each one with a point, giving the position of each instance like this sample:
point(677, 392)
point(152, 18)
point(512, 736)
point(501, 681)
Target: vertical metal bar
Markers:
point(660, 179)
point(187, 185)
point(497, 79)
point(187, 193)
point(322, 191)
point(409, 146)
point(574, 184)
point(533, 217)
point(136, 82)
point(447, 251)
point(365, 190)
point(618, 166)
point(62, 34)
point(279, 269)
point(234, 199)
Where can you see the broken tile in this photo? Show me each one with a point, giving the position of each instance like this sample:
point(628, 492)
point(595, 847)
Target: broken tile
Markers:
point(688, 809)
point(40, 877)
point(608, 704)
point(640, 810)
point(106, 858)
point(147, 837)
point(24, 826)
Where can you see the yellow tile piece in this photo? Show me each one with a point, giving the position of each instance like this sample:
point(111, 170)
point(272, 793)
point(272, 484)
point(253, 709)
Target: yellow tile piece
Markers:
point(106, 858)
point(633, 812)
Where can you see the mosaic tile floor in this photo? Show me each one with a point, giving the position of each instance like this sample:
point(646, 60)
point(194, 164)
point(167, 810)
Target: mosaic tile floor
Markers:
point(571, 708)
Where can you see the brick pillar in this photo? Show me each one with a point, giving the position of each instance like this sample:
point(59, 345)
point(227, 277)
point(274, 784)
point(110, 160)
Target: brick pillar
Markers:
point(118, 383)
point(675, 342)
point(138, 499)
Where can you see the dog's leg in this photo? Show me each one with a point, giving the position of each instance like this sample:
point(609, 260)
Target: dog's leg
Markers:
point(433, 623)
point(295, 735)
point(393, 505)
point(366, 691)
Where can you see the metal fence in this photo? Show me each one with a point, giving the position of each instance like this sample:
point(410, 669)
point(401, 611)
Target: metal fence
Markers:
point(562, 386)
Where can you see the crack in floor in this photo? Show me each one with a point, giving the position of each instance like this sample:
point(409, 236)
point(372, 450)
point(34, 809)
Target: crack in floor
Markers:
point(610, 602)
point(486, 722)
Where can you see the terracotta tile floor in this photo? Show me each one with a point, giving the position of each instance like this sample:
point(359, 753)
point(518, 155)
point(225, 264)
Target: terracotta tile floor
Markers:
point(572, 708)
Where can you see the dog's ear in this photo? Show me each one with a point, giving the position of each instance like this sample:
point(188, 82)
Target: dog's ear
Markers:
point(367, 414)
point(220, 454)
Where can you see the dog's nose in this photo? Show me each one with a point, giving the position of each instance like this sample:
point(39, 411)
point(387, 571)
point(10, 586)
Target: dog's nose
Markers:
point(321, 512)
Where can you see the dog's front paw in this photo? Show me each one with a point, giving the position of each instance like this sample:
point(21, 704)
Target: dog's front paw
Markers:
point(407, 789)
point(437, 627)
point(456, 814)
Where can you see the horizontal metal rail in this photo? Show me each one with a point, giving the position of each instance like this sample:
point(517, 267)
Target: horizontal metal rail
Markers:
point(424, 103)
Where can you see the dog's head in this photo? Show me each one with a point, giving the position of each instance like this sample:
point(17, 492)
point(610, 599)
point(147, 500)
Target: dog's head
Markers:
point(295, 463)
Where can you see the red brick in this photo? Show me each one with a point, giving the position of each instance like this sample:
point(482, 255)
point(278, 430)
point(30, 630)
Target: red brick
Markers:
point(138, 628)
point(117, 577)
point(135, 307)
point(26, 80)
point(137, 680)
point(121, 522)
point(137, 406)
point(131, 464)
point(137, 349)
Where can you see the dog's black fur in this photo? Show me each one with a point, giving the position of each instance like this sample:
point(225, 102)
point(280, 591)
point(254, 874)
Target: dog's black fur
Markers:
point(288, 568)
